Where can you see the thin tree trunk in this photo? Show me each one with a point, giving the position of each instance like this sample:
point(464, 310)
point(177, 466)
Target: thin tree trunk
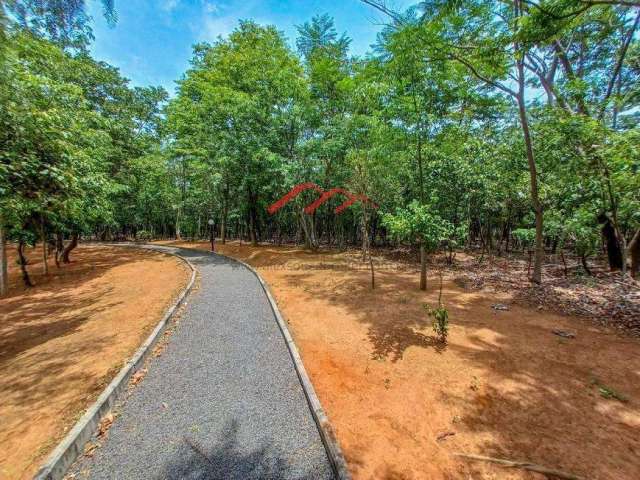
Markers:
point(4, 270)
point(634, 253)
point(223, 223)
point(583, 259)
point(423, 267)
point(373, 275)
point(178, 234)
point(310, 241)
point(564, 262)
point(22, 261)
point(69, 248)
point(364, 233)
point(59, 249)
point(252, 229)
point(622, 241)
point(43, 239)
point(533, 175)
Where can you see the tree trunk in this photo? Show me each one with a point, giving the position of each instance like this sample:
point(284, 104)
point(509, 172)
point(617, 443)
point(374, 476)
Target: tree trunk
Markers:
point(59, 249)
point(252, 229)
point(253, 216)
point(634, 253)
point(533, 175)
point(583, 259)
point(69, 248)
point(4, 270)
point(178, 234)
point(308, 230)
point(223, 223)
point(373, 275)
point(22, 261)
point(365, 234)
point(610, 237)
point(423, 267)
point(564, 262)
point(43, 239)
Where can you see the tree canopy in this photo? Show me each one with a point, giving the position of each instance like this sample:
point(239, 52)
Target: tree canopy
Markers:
point(472, 123)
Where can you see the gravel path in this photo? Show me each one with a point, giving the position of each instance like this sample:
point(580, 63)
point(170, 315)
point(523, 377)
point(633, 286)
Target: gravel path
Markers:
point(222, 402)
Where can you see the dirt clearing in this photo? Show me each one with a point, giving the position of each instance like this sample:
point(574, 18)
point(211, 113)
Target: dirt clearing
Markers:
point(505, 385)
point(62, 341)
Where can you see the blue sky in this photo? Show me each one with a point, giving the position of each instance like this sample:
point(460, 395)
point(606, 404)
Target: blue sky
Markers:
point(151, 42)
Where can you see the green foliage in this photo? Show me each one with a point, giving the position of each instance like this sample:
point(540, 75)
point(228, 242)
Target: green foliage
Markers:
point(144, 236)
point(525, 236)
point(418, 224)
point(64, 22)
point(440, 323)
point(582, 233)
point(426, 126)
point(608, 392)
point(70, 129)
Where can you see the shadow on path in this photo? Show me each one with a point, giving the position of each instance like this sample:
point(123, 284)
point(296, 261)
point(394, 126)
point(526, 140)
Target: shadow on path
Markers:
point(227, 461)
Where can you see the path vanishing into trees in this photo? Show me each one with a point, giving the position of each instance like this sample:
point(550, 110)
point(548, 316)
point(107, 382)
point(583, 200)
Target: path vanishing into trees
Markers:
point(222, 401)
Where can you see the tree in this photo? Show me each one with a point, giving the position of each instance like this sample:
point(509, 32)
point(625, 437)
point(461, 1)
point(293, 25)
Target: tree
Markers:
point(417, 224)
point(238, 102)
point(61, 21)
point(69, 128)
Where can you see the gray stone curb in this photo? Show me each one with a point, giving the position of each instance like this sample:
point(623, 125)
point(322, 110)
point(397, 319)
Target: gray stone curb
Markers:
point(331, 445)
point(72, 446)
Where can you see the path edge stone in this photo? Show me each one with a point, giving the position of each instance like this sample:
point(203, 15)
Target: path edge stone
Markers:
point(72, 445)
point(327, 435)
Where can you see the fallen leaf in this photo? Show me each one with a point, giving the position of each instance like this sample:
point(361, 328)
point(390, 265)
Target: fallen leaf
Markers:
point(89, 449)
point(138, 376)
point(105, 424)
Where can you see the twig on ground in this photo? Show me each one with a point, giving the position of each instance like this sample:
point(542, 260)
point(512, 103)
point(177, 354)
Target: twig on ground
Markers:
point(524, 465)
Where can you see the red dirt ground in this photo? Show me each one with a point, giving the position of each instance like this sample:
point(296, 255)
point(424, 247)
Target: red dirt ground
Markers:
point(504, 386)
point(62, 341)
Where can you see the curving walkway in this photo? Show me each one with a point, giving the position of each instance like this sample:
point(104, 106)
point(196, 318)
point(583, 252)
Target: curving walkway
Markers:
point(223, 401)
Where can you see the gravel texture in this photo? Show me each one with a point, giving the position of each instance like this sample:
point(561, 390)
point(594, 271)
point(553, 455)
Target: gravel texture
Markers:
point(223, 401)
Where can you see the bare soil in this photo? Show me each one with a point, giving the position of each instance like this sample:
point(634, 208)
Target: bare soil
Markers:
point(63, 341)
point(505, 385)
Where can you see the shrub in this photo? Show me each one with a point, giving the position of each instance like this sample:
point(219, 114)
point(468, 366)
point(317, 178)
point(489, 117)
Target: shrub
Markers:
point(440, 322)
point(144, 236)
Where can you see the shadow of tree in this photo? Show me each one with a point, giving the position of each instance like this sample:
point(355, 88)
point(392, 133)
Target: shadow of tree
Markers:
point(545, 406)
point(389, 336)
point(46, 355)
point(228, 461)
point(518, 391)
point(391, 341)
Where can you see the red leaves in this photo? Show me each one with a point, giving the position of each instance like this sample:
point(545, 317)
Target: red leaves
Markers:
point(293, 193)
point(325, 196)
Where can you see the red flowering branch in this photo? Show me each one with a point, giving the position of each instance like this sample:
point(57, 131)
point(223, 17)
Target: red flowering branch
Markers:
point(325, 196)
point(293, 193)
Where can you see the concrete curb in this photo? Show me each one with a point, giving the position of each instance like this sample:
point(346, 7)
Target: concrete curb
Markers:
point(72, 446)
point(331, 445)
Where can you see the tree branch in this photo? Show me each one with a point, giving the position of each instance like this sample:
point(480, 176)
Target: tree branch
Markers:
point(618, 67)
point(382, 7)
point(484, 78)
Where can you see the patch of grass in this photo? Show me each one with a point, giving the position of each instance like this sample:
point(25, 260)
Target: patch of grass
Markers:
point(608, 392)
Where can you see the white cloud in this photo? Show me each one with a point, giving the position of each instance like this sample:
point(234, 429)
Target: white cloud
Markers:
point(169, 5)
point(220, 19)
point(210, 8)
